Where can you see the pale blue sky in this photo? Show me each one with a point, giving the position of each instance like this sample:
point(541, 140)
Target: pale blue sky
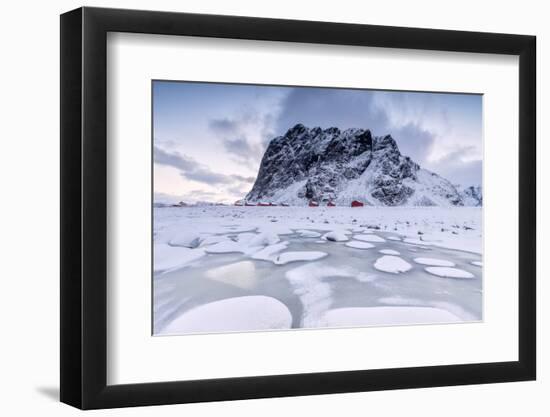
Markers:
point(209, 138)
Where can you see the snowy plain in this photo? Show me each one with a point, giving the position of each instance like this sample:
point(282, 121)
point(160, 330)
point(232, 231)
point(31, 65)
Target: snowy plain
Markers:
point(225, 268)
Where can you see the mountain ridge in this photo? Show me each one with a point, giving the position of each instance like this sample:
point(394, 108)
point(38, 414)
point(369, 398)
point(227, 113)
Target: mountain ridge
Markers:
point(341, 166)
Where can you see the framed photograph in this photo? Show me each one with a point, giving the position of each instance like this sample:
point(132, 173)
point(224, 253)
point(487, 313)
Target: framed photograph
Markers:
point(256, 208)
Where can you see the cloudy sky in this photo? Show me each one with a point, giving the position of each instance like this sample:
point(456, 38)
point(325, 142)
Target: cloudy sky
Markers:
point(209, 138)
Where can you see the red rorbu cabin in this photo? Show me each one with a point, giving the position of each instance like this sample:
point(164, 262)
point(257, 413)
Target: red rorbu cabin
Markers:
point(356, 203)
point(263, 204)
point(331, 204)
point(313, 203)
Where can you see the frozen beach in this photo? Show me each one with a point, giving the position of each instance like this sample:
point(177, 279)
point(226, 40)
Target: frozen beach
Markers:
point(224, 268)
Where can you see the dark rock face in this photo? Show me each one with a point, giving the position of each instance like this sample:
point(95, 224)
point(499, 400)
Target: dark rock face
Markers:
point(333, 165)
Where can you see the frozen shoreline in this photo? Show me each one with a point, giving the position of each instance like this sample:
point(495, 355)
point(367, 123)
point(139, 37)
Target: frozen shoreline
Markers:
point(458, 228)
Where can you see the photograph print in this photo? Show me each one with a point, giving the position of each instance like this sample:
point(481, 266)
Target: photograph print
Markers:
point(293, 207)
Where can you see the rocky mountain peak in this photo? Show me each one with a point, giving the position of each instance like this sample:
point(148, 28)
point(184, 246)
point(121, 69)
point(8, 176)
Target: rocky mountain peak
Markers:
point(341, 166)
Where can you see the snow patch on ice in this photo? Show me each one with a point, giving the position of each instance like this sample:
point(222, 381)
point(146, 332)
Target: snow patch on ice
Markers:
point(210, 240)
point(256, 312)
point(336, 236)
point(442, 305)
point(433, 262)
point(308, 233)
point(227, 247)
point(378, 316)
point(187, 239)
point(264, 239)
point(392, 264)
point(359, 245)
point(369, 238)
point(477, 263)
point(445, 272)
point(287, 257)
point(246, 243)
point(268, 253)
point(389, 252)
point(167, 258)
point(454, 309)
point(240, 274)
point(239, 229)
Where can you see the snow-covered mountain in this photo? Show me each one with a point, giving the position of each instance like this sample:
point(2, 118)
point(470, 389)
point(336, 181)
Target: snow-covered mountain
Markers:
point(342, 166)
point(472, 195)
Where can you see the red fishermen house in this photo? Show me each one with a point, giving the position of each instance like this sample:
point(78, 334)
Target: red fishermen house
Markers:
point(313, 203)
point(331, 204)
point(356, 203)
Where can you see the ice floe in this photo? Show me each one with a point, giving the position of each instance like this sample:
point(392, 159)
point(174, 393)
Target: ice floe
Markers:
point(359, 245)
point(210, 240)
point(389, 252)
point(255, 312)
point(264, 239)
point(189, 239)
point(369, 238)
point(336, 236)
point(287, 257)
point(433, 262)
point(246, 243)
point(477, 263)
point(172, 257)
point(378, 316)
point(239, 274)
point(308, 233)
point(228, 247)
point(392, 264)
point(269, 252)
point(446, 272)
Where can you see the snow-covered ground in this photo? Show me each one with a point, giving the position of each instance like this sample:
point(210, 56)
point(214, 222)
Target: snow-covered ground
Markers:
point(223, 268)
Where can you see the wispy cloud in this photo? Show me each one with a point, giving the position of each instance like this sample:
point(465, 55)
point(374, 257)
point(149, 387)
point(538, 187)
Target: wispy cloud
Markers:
point(331, 107)
point(243, 137)
point(193, 170)
point(458, 167)
point(239, 147)
point(224, 126)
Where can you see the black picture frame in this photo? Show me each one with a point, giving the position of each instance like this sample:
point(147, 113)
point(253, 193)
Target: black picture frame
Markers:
point(84, 207)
